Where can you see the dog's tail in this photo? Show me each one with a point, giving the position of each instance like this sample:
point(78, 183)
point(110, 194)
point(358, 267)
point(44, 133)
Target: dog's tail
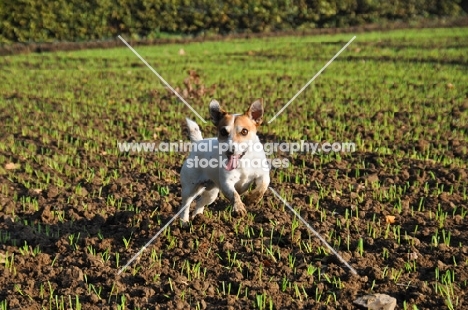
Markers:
point(193, 131)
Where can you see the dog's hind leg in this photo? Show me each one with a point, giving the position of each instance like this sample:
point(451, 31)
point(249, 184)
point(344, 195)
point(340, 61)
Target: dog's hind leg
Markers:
point(207, 198)
point(188, 195)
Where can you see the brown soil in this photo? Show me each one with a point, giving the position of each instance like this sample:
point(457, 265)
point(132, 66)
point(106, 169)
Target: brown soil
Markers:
point(210, 240)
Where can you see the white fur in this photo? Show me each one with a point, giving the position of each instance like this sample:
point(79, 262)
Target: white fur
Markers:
point(194, 131)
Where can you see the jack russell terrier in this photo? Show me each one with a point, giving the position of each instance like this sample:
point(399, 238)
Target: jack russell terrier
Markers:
point(232, 162)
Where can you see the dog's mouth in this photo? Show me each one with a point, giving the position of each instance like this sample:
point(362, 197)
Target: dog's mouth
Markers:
point(233, 160)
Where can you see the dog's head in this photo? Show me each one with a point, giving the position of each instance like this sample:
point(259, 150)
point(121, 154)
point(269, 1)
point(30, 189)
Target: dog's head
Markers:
point(236, 132)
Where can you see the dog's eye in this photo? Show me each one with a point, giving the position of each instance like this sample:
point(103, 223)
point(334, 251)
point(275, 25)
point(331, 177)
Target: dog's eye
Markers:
point(223, 132)
point(244, 132)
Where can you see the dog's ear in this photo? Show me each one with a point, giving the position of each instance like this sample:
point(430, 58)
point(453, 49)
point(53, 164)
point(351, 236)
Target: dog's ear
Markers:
point(216, 113)
point(255, 111)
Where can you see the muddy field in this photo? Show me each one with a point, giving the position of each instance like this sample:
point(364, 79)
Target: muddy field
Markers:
point(74, 209)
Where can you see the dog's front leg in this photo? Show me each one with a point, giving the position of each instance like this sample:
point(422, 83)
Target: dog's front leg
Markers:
point(233, 196)
point(261, 186)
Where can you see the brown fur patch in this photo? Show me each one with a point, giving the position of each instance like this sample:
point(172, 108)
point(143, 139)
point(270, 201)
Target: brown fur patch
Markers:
point(243, 122)
point(234, 124)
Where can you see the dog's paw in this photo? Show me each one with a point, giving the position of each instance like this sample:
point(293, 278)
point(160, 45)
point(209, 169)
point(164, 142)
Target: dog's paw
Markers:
point(184, 224)
point(253, 198)
point(198, 219)
point(239, 210)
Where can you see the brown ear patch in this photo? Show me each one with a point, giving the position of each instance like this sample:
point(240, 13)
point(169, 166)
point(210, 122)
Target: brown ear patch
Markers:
point(255, 111)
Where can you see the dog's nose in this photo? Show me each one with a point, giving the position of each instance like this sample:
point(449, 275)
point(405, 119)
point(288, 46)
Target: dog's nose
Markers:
point(232, 147)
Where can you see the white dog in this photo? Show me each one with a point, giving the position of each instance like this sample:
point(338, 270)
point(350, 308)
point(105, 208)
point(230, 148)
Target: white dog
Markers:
point(232, 162)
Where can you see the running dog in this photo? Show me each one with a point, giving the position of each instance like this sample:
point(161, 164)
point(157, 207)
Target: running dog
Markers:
point(230, 162)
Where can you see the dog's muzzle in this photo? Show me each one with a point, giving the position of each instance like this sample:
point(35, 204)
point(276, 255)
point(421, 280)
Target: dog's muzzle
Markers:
point(233, 160)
